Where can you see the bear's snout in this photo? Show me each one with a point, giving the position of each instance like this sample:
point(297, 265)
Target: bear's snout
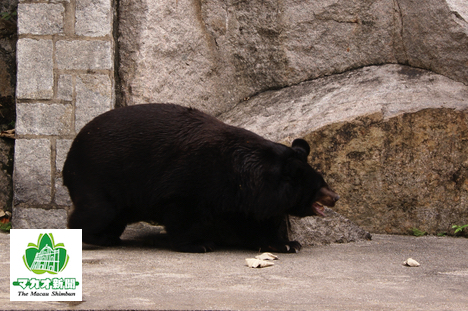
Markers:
point(327, 197)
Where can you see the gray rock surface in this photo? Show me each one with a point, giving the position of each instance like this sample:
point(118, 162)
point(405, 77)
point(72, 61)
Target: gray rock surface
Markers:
point(31, 177)
point(435, 36)
point(221, 52)
point(38, 218)
point(40, 18)
point(35, 71)
point(389, 90)
point(333, 228)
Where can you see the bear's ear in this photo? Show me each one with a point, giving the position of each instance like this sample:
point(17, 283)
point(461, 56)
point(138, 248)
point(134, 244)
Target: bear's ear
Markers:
point(301, 147)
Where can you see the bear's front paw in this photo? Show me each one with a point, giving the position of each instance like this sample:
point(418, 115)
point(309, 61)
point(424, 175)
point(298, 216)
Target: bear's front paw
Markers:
point(288, 247)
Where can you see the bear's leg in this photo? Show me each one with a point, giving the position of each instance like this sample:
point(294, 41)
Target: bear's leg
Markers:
point(99, 221)
point(277, 239)
point(187, 230)
point(266, 235)
point(190, 238)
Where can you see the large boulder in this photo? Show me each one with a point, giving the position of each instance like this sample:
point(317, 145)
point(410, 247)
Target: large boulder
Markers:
point(392, 140)
point(212, 54)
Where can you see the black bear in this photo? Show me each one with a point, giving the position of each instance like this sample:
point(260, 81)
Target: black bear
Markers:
point(207, 182)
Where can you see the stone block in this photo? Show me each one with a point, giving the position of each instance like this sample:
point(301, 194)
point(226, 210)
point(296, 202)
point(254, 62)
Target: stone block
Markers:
point(84, 55)
point(65, 87)
point(35, 77)
point(93, 18)
point(32, 173)
point(38, 218)
point(62, 147)
point(44, 119)
point(61, 192)
point(62, 197)
point(40, 18)
point(93, 97)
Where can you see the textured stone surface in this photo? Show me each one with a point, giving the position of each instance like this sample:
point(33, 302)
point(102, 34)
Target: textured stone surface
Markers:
point(93, 18)
point(35, 69)
point(62, 147)
point(65, 87)
point(38, 218)
point(94, 96)
point(43, 119)
point(32, 175)
point(40, 18)
point(333, 228)
point(85, 55)
point(61, 193)
point(62, 198)
point(389, 89)
point(165, 55)
point(222, 52)
point(409, 171)
point(435, 36)
point(391, 140)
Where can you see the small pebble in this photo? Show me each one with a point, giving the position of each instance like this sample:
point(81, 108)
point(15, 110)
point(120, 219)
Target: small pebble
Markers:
point(410, 262)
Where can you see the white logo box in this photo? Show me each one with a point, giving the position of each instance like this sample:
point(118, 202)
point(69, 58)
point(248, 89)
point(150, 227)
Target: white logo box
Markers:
point(58, 267)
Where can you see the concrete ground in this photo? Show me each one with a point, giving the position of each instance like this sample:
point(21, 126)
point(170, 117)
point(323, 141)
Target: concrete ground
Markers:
point(144, 274)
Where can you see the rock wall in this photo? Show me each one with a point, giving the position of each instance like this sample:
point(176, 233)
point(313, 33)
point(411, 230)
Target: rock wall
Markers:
point(65, 62)
point(220, 52)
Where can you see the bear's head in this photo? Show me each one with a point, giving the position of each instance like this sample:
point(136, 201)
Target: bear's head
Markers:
point(312, 193)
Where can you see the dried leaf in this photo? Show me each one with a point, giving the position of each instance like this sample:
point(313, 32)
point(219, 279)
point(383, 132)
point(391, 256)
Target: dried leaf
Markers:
point(8, 134)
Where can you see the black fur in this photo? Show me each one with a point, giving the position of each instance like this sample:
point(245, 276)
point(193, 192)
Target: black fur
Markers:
point(207, 182)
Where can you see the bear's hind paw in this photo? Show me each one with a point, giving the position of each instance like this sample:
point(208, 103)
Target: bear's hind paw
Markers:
point(196, 248)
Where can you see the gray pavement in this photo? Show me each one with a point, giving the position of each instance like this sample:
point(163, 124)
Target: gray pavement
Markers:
point(144, 274)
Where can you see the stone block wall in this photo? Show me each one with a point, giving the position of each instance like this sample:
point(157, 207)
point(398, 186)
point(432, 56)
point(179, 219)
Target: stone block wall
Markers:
point(65, 77)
